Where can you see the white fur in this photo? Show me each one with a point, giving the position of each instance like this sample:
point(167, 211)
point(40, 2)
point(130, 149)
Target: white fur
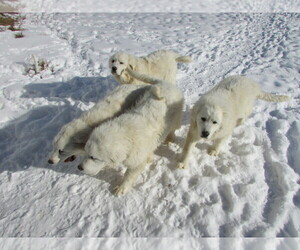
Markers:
point(131, 138)
point(160, 64)
point(71, 139)
point(219, 111)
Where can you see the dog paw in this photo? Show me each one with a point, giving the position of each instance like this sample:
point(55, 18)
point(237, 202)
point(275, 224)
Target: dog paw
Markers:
point(169, 141)
point(181, 165)
point(213, 152)
point(120, 190)
point(170, 138)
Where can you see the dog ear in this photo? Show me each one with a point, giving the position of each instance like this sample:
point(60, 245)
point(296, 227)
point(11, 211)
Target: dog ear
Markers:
point(131, 61)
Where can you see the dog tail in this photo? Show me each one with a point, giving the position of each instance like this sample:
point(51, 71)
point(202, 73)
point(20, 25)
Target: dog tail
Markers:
point(273, 98)
point(143, 77)
point(183, 59)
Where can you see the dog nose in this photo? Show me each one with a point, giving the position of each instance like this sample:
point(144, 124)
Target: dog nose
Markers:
point(114, 69)
point(80, 167)
point(50, 161)
point(205, 134)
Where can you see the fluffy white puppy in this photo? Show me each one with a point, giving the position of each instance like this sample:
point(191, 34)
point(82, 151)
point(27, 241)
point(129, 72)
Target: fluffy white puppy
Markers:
point(131, 138)
point(161, 64)
point(220, 110)
point(71, 139)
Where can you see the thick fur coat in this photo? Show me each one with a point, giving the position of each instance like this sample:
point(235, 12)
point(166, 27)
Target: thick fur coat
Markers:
point(219, 111)
point(131, 138)
point(160, 64)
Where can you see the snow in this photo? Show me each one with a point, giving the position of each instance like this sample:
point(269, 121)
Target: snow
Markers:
point(150, 243)
point(250, 190)
point(215, 6)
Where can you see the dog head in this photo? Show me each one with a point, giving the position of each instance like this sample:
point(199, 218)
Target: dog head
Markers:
point(92, 162)
point(209, 119)
point(119, 62)
point(91, 165)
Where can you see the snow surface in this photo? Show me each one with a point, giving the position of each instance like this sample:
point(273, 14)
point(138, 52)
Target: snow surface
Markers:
point(150, 243)
point(252, 189)
point(159, 6)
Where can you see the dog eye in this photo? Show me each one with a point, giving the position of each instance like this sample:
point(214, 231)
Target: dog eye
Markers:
point(91, 157)
point(113, 61)
point(121, 63)
point(60, 151)
point(214, 122)
point(203, 119)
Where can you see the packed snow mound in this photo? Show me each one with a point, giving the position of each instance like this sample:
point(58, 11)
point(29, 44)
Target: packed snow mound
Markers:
point(251, 189)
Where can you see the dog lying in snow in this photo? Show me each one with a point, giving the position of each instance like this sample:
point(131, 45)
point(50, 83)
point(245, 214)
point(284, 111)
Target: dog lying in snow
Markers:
point(131, 138)
point(71, 139)
point(220, 110)
point(160, 64)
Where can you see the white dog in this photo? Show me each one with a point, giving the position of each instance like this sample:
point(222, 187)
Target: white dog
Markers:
point(160, 64)
point(71, 139)
point(131, 138)
point(219, 111)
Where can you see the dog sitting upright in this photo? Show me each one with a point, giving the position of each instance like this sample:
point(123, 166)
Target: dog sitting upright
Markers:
point(131, 138)
point(161, 64)
point(220, 110)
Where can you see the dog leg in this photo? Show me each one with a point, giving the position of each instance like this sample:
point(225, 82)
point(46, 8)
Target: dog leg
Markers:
point(214, 150)
point(189, 145)
point(129, 179)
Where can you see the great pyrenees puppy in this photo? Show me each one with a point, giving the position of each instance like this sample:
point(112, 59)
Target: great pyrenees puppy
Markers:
point(71, 139)
point(220, 110)
point(131, 138)
point(161, 64)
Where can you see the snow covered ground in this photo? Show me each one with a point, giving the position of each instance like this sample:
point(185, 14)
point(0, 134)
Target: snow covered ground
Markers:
point(215, 6)
point(250, 190)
